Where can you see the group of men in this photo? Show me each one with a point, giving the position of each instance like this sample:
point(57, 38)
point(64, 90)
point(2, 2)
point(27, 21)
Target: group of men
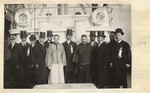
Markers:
point(50, 62)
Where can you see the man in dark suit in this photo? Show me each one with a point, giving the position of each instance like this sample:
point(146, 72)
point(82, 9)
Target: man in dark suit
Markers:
point(49, 38)
point(11, 62)
point(111, 55)
point(101, 65)
point(123, 59)
point(93, 44)
point(32, 60)
point(69, 47)
point(23, 61)
point(47, 44)
point(40, 66)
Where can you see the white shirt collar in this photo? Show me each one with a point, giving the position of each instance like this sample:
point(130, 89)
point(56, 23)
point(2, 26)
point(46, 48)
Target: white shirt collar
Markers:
point(100, 43)
point(92, 43)
point(119, 41)
point(12, 45)
point(33, 45)
point(68, 41)
point(23, 43)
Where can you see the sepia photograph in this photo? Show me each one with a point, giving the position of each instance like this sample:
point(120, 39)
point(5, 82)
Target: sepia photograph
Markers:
point(67, 46)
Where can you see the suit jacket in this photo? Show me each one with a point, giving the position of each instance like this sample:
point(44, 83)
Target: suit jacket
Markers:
point(93, 65)
point(93, 49)
point(48, 43)
point(120, 63)
point(95, 44)
point(69, 55)
point(101, 65)
point(13, 54)
point(23, 57)
point(23, 62)
point(33, 52)
point(111, 52)
point(39, 55)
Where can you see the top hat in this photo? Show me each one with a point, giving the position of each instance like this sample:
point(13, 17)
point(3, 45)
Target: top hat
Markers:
point(77, 13)
point(32, 37)
point(23, 34)
point(101, 33)
point(92, 33)
point(69, 32)
point(49, 33)
point(12, 37)
point(119, 30)
point(42, 35)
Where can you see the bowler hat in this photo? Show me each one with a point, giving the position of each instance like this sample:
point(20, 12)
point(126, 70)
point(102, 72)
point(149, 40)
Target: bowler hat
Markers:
point(119, 30)
point(49, 33)
point(42, 35)
point(92, 33)
point(32, 37)
point(101, 33)
point(69, 32)
point(23, 34)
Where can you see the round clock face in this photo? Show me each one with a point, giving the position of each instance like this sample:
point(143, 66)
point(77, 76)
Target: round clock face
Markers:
point(98, 16)
point(22, 17)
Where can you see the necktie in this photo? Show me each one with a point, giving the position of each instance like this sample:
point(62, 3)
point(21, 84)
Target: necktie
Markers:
point(24, 44)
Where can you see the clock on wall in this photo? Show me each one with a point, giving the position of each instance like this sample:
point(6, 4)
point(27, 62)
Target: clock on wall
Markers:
point(22, 18)
point(99, 16)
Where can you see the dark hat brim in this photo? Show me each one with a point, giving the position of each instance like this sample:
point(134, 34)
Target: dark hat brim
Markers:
point(92, 35)
point(50, 35)
point(23, 36)
point(32, 39)
point(41, 36)
point(119, 32)
point(69, 34)
point(102, 35)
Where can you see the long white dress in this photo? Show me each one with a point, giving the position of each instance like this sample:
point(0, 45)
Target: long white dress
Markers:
point(56, 60)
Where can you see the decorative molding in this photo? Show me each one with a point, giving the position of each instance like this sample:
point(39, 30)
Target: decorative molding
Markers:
point(98, 28)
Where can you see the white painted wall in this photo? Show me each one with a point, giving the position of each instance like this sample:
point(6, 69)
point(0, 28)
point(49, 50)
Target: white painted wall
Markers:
point(58, 24)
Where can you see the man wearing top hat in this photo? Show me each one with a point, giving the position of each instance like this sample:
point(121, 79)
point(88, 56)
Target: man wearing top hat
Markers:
point(47, 44)
point(33, 59)
point(23, 61)
point(111, 54)
point(123, 60)
point(93, 44)
point(69, 47)
point(49, 38)
point(40, 66)
point(100, 61)
point(12, 60)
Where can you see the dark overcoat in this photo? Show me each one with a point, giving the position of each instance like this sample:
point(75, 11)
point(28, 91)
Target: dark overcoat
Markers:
point(11, 63)
point(70, 65)
point(23, 63)
point(93, 65)
point(40, 72)
point(120, 63)
point(101, 71)
point(111, 59)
